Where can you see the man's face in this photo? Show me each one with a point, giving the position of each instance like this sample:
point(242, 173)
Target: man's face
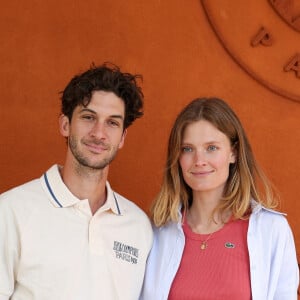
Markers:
point(95, 132)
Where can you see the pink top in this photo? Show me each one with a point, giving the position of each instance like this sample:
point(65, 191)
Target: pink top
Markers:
point(221, 271)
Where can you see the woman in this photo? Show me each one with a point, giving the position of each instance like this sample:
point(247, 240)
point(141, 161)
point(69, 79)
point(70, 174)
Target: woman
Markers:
point(216, 235)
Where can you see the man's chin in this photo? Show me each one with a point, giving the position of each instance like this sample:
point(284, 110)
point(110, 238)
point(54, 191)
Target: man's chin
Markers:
point(94, 165)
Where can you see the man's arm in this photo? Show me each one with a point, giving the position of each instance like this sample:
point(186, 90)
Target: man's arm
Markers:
point(9, 248)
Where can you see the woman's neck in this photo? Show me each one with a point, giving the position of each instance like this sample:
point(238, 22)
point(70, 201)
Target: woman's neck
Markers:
point(201, 216)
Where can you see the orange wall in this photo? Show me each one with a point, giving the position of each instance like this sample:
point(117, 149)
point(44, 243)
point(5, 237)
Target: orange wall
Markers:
point(171, 42)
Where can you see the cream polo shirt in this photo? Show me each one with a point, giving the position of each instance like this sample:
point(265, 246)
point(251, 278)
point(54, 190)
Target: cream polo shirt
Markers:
point(53, 248)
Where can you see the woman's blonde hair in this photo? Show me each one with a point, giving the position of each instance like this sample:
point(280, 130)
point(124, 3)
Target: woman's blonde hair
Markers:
point(244, 174)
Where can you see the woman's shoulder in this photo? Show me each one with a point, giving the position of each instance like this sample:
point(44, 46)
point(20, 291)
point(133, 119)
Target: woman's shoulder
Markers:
point(259, 209)
point(167, 228)
point(167, 234)
point(267, 218)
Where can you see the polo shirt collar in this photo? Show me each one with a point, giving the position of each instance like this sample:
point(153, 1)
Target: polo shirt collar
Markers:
point(112, 202)
point(60, 196)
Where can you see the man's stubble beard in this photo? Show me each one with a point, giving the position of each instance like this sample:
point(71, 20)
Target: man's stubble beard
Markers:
point(84, 161)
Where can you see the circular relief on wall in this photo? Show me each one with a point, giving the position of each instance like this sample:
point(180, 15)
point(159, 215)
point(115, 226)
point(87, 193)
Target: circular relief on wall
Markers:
point(263, 37)
point(289, 11)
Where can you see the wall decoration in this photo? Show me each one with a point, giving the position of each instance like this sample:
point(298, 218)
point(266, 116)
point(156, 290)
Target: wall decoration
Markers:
point(263, 37)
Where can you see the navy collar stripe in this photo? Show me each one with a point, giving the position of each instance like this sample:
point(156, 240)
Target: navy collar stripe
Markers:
point(50, 190)
point(56, 200)
point(119, 212)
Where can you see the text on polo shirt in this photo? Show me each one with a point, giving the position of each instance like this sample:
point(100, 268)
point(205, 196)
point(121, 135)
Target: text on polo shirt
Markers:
point(126, 252)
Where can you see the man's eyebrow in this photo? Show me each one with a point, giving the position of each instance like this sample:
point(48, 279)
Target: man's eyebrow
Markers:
point(93, 112)
point(117, 117)
point(87, 110)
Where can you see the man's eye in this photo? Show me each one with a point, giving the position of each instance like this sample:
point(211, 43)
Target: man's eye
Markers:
point(88, 117)
point(113, 123)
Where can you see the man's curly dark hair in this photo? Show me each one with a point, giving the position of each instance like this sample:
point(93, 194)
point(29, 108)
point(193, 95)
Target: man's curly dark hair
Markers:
point(106, 77)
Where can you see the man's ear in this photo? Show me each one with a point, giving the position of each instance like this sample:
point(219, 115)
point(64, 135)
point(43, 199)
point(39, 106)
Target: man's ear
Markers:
point(64, 125)
point(121, 144)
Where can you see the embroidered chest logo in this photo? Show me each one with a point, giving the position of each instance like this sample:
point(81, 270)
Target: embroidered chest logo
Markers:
point(229, 245)
point(126, 252)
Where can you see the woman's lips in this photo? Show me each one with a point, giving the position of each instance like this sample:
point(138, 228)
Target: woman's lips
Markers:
point(202, 173)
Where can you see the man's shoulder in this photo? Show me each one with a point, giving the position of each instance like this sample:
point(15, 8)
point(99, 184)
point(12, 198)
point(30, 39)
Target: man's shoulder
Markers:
point(20, 190)
point(22, 195)
point(129, 205)
point(29, 190)
point(136, 217)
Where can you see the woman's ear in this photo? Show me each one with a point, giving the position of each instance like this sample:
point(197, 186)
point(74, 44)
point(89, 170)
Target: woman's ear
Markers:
point(233, 155)
point(64, 125)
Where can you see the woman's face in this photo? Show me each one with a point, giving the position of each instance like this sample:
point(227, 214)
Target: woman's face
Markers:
point(205, 157)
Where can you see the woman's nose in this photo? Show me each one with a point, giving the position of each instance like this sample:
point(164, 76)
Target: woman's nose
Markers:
point(200, 157)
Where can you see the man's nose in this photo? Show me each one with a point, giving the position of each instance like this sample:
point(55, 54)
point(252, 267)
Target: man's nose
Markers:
point(98, 130)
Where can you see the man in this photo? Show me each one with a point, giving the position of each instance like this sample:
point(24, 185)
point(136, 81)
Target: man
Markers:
point(68, 235)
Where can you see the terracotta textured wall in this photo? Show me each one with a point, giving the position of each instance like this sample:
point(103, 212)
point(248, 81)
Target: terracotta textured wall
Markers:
point(174, 46)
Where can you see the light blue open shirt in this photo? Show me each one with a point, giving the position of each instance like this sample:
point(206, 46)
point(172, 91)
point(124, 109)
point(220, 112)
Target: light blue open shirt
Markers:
point(273, 263)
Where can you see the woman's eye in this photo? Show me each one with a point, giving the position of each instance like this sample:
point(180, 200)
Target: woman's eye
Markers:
point(186, 149)
point(211, 148)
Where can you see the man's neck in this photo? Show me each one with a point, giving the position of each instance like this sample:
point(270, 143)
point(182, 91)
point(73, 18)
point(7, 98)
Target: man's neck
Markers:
point(85, 183)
